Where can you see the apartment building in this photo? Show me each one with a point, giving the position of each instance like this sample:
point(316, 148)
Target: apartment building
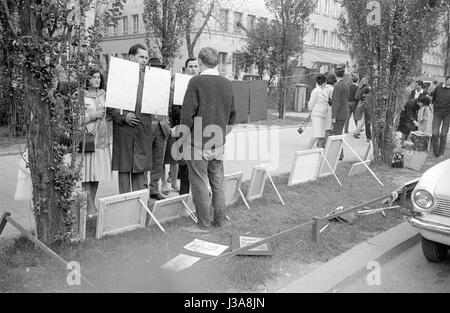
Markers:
point(323, 49)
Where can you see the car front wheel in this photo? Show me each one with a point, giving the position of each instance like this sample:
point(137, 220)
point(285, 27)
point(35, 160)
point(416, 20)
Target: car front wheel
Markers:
point(434, 251)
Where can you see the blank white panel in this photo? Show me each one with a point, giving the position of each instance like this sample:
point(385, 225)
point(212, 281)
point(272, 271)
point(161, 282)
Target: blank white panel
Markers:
point(305, 168)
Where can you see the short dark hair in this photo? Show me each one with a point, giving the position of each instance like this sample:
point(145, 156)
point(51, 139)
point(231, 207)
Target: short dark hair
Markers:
point(435, 82)
point(331, 79)
point(420, 83)
point(135, 48)
point(91, 73)
point(425, 100)
point(340, 71)
point(189, 60)
point(209, 56)
point(321, 79)
point(355, 79)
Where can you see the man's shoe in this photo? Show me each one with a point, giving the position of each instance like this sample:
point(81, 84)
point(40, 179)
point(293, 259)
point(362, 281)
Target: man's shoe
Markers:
point(157, 196)
point(222, 224)
point(195, 230)
point(357, 136)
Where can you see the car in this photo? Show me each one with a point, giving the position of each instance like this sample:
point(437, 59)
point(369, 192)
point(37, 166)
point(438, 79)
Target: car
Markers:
point(431, 201)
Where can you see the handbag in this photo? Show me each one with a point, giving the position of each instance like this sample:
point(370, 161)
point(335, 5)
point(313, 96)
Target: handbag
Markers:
point(89, 143)
point(301, 129)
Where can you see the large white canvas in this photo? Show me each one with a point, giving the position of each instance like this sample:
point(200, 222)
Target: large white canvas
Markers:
point(155, 99)
point(306, 166)
point(123, 81)
point(181, 84)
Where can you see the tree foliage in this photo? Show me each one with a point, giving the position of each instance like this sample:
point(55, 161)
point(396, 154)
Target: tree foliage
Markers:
point(165, 23)
point(387, 54)
point(262, 50)
point(292, 18)
point(53, 49)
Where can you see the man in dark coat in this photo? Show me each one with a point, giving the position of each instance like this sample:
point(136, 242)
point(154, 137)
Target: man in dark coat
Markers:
point(132, 154)
point(340, 110)
point(441, 117)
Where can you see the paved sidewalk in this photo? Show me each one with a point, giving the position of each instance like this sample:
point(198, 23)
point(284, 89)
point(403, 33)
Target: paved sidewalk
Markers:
point(342, 270)
point(246, 147)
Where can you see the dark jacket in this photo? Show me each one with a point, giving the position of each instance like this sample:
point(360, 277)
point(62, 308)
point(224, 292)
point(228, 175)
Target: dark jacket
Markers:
point(441, 99)
point(340, 101)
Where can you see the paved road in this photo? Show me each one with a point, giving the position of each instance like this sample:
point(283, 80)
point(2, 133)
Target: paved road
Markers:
point(245, 149)
point(410, 272)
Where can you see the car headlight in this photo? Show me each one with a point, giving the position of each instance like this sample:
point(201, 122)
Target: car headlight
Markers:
point(423, 199)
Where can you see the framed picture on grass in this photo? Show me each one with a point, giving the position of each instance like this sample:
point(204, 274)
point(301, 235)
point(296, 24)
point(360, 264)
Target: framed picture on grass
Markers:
point(241, 241)
point(359, 168)
point(170, 209)
point(333, 149)
point(257, 182)
point(122, 213)
point(305, 167)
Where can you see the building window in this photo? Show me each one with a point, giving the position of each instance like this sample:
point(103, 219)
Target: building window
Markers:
point(237, 20)
point(251, 22)
point(326, 7)
point(125, 25)
point(324, 38)
point(135, 23)
point(223, 62)
point(223, 20)
point(316, 36)
point(116, 29)
point(237, 62)
point(317, 9)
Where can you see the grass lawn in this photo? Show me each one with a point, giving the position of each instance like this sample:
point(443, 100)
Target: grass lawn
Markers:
point(131, 262)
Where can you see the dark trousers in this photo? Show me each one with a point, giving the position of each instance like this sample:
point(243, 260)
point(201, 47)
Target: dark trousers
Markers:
point(129, 182)
point(183, 173)
point(352, 106)
point(439, 139)
point(367, 125)
point(159, 142)
point(200, 172)
point(338, 129)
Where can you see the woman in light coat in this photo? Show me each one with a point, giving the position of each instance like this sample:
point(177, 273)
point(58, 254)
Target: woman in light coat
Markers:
point(96, 165)
point(319, 107)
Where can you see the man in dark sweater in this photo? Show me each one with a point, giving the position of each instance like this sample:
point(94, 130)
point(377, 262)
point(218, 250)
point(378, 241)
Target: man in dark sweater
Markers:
point(441, 100)
point(207, 115)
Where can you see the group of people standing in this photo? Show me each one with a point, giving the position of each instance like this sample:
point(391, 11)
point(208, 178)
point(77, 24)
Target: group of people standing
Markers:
point(144, 143)
point(334, 101)
point(332, 104)
point(427, 111)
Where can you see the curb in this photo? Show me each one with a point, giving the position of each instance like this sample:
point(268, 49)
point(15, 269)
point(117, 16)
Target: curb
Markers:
point(349, 266)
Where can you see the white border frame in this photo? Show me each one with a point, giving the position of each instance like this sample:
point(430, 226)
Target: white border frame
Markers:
point(299, 154)
point(104, 204)
point(333, 162)
point(260, 168)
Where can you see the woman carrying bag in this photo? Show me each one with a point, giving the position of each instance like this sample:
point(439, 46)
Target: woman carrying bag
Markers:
point(97, 155)
point(318, 105)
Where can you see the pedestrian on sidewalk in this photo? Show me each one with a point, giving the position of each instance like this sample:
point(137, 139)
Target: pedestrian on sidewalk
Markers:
point(352, 103)
point(361, 109)
point(318, 105)
point(339, 108)
point(331, 81)
point(441, 117)
point(208, 108)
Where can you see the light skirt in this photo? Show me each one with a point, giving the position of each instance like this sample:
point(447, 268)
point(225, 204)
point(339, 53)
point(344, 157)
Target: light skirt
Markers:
point(318, 126)
point(97, 166)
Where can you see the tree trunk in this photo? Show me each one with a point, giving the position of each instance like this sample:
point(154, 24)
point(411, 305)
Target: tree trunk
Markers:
point(49, 219)
point(447, 45)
